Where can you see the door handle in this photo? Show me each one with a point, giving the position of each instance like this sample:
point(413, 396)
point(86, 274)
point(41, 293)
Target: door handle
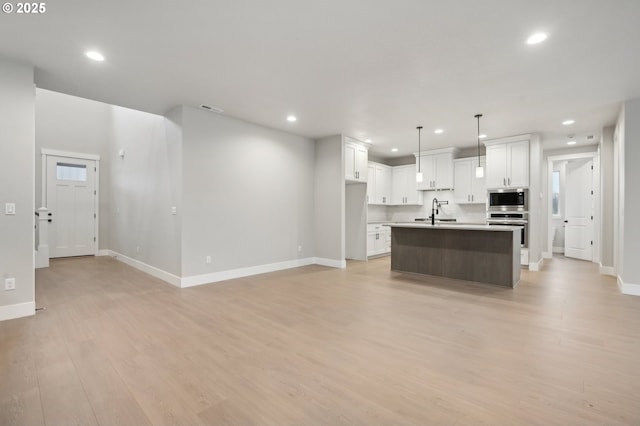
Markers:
point(566, 221)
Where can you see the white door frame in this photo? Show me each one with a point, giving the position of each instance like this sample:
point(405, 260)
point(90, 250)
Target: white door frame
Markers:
point(595, 156)
point(45, 152)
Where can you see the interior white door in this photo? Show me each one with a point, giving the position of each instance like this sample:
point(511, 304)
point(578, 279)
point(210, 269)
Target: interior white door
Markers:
point(578, 216)
point(71, 200)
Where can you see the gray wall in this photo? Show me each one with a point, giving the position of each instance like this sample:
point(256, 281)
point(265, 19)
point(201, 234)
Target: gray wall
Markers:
point(137, 191)
point(536, 230)
point(631, 202)
point(248, 194)
point(144, 188)
point(17, 107)
point(606, 191)
point(330, 199)
point(69, 123)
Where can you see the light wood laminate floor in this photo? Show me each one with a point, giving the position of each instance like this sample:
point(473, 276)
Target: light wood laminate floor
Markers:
point(322, 346)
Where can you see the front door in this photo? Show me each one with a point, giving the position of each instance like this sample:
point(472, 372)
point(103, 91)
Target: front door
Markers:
point(578, 239)
point(71, 200)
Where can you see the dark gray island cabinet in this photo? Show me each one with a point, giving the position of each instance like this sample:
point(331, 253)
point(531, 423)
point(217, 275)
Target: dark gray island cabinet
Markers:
point(466, 252)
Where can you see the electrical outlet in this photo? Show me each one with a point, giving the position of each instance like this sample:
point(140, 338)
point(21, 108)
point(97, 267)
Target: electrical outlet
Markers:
point(9, 283)
point(208, 260)
point(10, 208)
point(174, 210)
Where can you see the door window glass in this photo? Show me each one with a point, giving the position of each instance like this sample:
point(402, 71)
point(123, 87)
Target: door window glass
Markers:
point(67, 171)
point(555, 190)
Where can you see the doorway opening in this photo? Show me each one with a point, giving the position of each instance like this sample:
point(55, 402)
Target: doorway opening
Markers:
point(70, 193)
point(573, 200)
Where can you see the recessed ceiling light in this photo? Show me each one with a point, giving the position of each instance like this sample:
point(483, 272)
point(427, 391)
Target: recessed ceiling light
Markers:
point(537, 38)
point(394, 149)
point(571, 143)
point(292, 119)
point(482, 136)
point(438, 131)
point(568, 122)
point(96, 56)
point(367, 140)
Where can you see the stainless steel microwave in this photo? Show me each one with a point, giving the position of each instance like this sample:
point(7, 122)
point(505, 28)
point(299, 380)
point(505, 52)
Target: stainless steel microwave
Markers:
point(508, 200)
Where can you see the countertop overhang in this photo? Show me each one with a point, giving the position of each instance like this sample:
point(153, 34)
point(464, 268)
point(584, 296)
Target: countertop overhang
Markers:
point(501, 228)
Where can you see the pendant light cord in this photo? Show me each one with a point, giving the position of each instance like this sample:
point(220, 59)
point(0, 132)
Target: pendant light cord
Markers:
point(478, 117)
point(419, 157)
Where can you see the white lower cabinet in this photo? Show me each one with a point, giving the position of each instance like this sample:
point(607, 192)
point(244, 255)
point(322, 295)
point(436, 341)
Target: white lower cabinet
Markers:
point(378, 240)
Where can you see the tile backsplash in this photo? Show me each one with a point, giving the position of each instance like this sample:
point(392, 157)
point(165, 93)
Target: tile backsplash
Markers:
point(468, 213)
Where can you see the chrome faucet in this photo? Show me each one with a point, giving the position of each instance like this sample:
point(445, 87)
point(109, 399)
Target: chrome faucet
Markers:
point(435, 205)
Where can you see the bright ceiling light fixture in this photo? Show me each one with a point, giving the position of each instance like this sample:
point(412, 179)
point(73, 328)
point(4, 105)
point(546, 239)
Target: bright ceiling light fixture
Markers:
point(571, 143)
point(482, 136)
point(568, 122)
point(438, 131)
point(96, 56)
point(394, 149)
point(292, 119)
point(536, 38)
point(368, 141)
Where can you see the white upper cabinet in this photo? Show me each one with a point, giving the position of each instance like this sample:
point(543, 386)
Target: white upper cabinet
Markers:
point(437, 169)
point(355, 161)
point(508, 164)
point(371, 183)
point(404, 190)
point(383, 185)
point(469, 189)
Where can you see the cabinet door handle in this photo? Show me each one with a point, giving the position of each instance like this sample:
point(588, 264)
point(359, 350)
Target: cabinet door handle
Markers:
point(509, 180)
point(471, 197)
point(504, 181)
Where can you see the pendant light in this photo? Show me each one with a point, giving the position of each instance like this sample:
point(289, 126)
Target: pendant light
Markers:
point(419, 174)
point(479, 169)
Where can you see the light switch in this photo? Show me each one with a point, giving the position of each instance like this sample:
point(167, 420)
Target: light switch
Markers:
point(10, 208)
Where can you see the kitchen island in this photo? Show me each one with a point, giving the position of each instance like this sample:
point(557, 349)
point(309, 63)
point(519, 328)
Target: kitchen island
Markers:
point(480, 253)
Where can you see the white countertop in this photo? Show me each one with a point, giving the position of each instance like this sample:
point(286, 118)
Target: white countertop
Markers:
point(466, 227)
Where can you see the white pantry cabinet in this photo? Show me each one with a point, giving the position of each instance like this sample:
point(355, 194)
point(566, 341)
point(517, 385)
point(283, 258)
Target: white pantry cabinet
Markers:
point(469, 189)
point(356, 158)
point(508, 164)
point(437, 169)
point(404, 189)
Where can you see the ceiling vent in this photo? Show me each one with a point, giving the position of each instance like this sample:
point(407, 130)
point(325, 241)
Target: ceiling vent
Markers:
point(212, 109)
point(590, 137)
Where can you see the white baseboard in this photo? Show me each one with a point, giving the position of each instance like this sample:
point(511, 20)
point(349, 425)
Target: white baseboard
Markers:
point(194, 280)
point(18, 310)
point(607, 270)
point(558, 250)
point(213, 277)
point(547, 255)
point(104, 253)
point(330, 262)
point(151, 270)
point(628, 288)
point(536, 266)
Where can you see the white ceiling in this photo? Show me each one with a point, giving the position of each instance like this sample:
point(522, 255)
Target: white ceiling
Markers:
point(371, 69)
